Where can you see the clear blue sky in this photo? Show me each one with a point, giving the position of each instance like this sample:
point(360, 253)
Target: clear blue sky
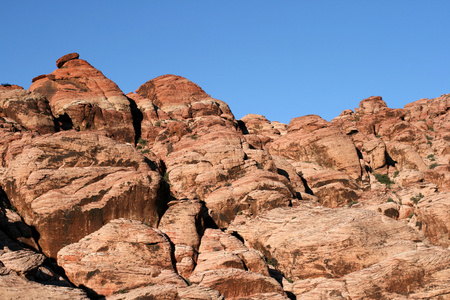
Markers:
point(281, 59)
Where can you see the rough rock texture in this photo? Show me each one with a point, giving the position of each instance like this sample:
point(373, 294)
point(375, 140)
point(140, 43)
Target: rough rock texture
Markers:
point(311, 138)
point(420, 274)
point(236, 283)
point(62, 60)
point(70, 184)
point(30, 110)
point(13, 286)
point(219, 250)
point(82, 98)
point(122, 255)
point(169, 292)
point(433, 217)
point(183, 224)
point(355, 208)
point(308, 242)
point(205, 155)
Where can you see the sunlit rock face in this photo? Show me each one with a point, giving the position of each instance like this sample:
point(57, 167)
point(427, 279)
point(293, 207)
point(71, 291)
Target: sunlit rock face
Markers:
point(162, 194)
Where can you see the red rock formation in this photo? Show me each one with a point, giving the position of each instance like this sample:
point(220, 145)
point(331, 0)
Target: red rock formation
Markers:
point(69, 184)
point(28, 109)
point(238, 204)
point(308, 242)
point(81, 97)
point(122, 255)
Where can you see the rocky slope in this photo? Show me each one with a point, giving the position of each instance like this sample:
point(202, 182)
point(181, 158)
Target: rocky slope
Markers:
point(163, 194)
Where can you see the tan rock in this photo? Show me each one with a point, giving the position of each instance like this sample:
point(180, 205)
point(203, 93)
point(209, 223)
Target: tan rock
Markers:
point(371, 105)
point(169, 292)
point(69, 184)
point(236, 283)
point(122, 255)
point(439, 176)
point(13, 286)
point(221, 250)
point(254, 193)
point(181, 98)
point(419, 274)
point(22, 261)
point(308, 242)
point(433, 215)
point(375, 151)
point(183, 224)
point(333, 188)
point(405, 156)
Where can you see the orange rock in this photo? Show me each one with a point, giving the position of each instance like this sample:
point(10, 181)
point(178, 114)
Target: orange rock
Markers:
point(82, 98)
point(122, 255)
point(307, 242)
point(311, 138)
point(69, 184)
point(62, 60)
point(28, 109)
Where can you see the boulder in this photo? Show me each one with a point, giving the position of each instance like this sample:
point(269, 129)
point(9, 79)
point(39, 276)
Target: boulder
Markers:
point(62, 60)
point(169, 292)
point(311, 138)
point(14, 286)
point(183, 224)
point(236, 283)
point(433, 215)
point(122, 255)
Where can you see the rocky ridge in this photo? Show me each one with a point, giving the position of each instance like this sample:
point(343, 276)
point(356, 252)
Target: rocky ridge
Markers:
point(163, 194)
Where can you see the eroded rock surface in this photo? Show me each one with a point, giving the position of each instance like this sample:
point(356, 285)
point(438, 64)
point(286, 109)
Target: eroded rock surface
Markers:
point(122, 255)
point(308, 242)
point(70, 184)
point(82, 98)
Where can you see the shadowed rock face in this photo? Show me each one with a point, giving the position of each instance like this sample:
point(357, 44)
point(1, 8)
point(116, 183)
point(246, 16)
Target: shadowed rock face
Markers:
point(82, 98)
point(69, 184)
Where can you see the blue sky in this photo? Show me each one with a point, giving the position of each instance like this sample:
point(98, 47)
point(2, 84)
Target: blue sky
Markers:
point(281, 59)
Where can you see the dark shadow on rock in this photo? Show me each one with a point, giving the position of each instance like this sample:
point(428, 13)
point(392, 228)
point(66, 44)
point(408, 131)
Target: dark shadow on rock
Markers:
point(242, 127)
point(63, 122)
point(137, 116)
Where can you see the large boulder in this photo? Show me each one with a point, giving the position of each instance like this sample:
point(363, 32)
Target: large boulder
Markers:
point(311, 138)
point(121, 256)
point(82, 98)
point(70, 184)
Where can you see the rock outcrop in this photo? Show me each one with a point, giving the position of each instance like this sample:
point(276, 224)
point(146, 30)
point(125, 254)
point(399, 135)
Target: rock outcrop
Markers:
point(163, 194)
point(70, 184)
point(307, 242)
point(82, 98)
